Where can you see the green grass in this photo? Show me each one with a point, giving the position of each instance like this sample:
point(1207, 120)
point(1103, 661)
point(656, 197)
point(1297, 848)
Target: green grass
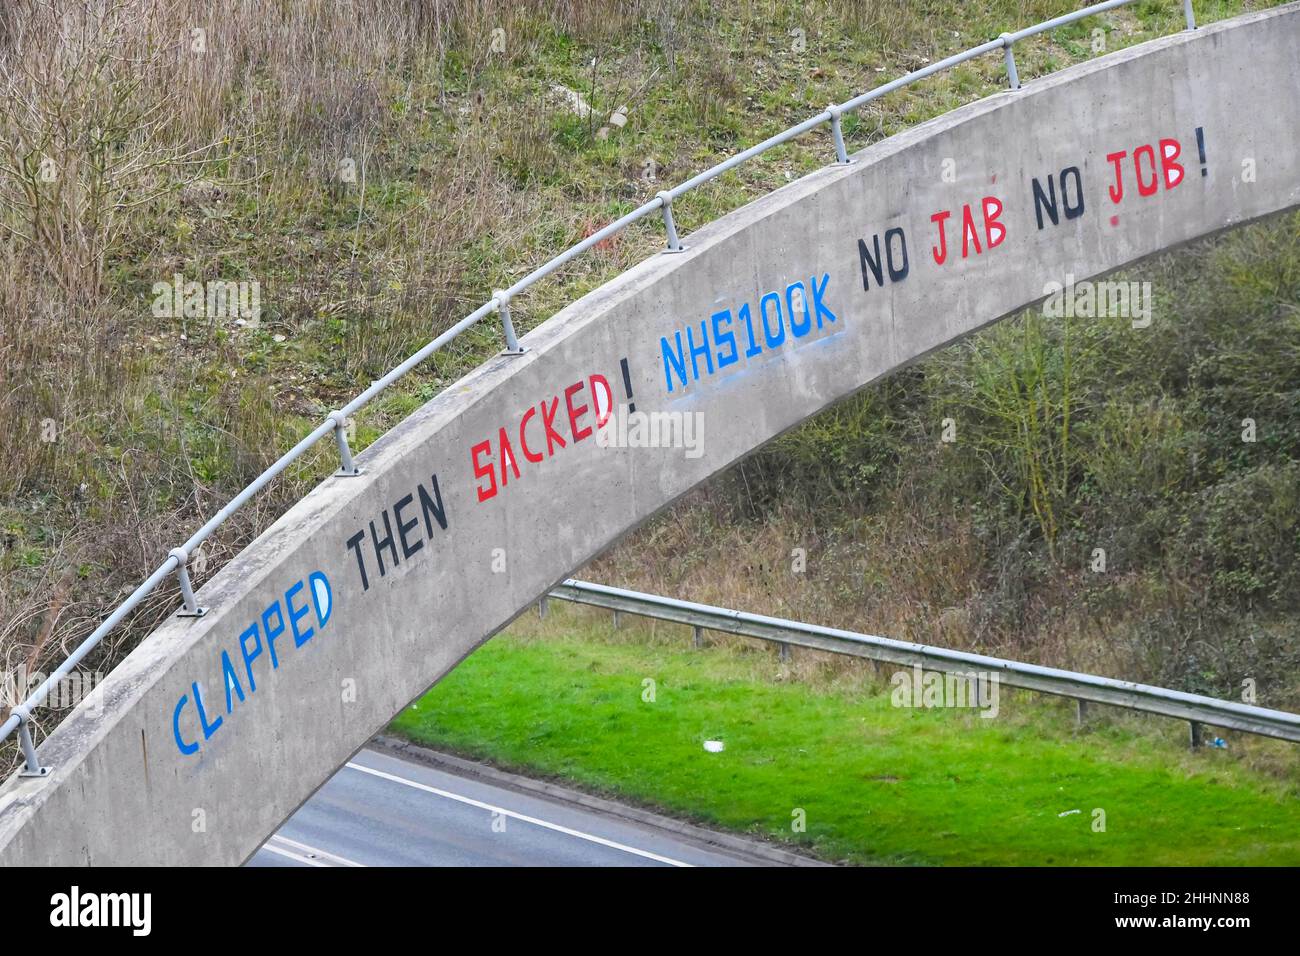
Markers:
point(878, 784)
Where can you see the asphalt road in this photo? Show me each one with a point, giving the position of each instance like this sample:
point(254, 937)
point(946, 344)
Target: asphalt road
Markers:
point(381, 810)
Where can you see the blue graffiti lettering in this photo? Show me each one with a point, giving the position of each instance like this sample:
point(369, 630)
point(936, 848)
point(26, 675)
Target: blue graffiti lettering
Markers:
point(288, 613)
point(711, 346)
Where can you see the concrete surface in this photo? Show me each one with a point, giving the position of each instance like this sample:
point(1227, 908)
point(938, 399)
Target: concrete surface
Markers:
point(336, 643)
point(383, 810)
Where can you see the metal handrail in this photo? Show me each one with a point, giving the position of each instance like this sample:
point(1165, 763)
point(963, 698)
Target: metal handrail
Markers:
point(178, 558)
point(1194, 708)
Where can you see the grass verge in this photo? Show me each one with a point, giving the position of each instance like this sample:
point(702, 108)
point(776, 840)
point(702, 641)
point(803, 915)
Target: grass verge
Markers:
point(877, 784)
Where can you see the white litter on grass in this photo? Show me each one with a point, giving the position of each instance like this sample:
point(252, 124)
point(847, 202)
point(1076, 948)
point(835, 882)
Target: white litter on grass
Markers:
point(575, 103)
point(714, 746)
point(572, 99)
point(1068, 812)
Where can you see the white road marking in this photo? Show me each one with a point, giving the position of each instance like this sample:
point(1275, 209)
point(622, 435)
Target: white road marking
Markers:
point(568, 831)
point(306, 854)
point(296, 857)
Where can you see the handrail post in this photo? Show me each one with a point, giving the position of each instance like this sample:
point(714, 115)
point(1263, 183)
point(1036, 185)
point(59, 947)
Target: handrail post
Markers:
point(670, 226)
point(33, 766)
point(501, 299)
point(191, 608)
point(841, 154)
point(1191, 17)
point(347, 468)
point(1013, 78)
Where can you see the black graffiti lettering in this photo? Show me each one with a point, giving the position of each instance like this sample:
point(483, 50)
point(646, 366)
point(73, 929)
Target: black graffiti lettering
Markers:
point(404, 528)
point(896, 273)
point(399, 528)
point(871, 260)
point(1072, 210)
point(383, 544)
point(354, 544)
point(432, 506)
point(1045, 200)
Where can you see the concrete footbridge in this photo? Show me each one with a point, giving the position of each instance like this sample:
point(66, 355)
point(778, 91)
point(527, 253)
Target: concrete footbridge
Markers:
point(383, 578)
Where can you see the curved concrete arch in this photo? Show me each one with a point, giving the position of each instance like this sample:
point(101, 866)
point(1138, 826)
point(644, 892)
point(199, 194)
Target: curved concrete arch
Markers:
point(370, 589)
